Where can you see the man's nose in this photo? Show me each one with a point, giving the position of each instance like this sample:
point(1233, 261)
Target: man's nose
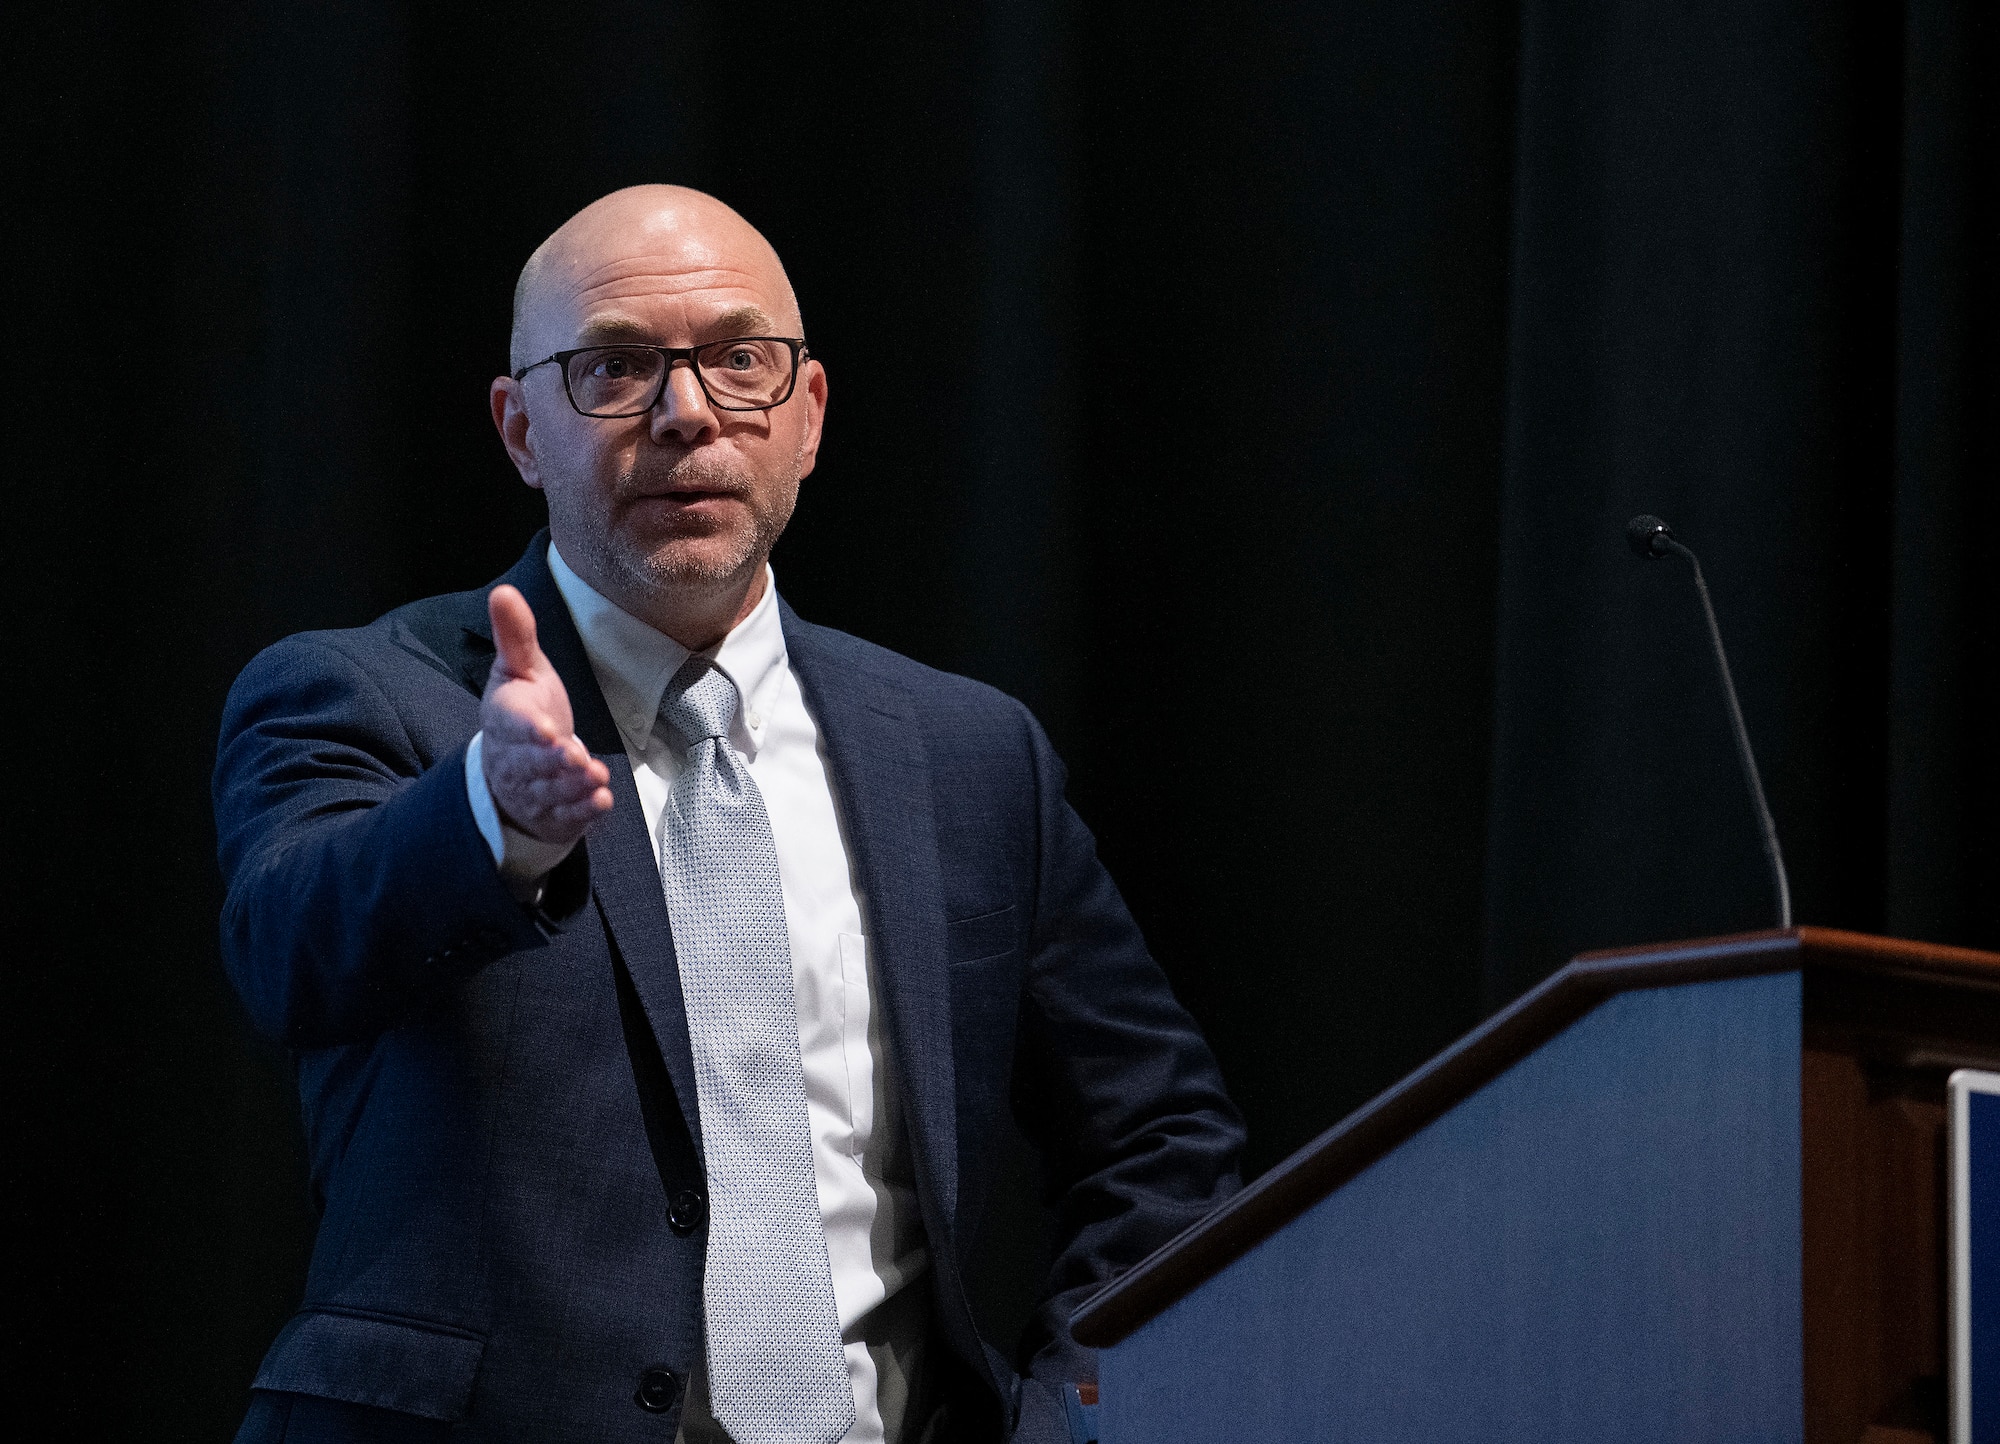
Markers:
point(682, 411)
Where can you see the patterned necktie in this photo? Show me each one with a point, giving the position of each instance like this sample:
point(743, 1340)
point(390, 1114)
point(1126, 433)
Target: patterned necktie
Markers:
point(776, 1371)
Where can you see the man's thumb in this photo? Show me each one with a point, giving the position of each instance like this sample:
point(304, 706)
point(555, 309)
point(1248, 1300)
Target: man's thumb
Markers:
point(516, 653)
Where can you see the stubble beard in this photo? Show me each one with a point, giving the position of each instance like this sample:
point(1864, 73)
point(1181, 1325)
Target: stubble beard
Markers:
point(692, 562)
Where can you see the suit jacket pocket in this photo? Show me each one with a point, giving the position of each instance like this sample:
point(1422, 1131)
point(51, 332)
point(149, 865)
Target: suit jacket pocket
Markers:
point(384, 1363)
point(969, 940)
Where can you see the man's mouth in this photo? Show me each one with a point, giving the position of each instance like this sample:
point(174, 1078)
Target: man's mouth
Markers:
point(693, 495)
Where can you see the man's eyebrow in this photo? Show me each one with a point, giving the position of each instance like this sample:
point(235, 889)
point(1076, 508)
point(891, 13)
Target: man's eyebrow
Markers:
point(744, 321)
point(613, 330)
point(600, 330)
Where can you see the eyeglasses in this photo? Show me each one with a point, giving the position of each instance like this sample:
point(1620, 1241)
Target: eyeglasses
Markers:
point(745, 373)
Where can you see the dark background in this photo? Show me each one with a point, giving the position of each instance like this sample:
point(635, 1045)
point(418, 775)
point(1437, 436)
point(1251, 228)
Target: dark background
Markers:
point(1301, 364)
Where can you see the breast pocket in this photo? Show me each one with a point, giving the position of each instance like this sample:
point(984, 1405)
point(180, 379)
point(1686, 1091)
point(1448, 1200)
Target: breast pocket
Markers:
point(986, 935)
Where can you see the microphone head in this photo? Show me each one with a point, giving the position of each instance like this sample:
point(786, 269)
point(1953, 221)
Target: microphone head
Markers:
point(1648, 535)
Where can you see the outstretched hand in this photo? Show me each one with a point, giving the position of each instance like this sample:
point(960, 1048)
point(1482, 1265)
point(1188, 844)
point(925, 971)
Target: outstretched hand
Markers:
point(542, 778)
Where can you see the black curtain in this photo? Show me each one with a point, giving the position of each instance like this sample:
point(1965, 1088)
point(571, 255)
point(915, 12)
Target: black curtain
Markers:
point(1753, 260)
point(1287, 376)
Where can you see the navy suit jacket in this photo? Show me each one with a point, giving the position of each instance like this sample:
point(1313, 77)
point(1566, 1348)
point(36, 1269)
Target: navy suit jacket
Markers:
point(499, 1101)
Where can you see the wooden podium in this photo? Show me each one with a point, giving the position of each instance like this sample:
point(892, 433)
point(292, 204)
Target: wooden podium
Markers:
point(1687, 1192)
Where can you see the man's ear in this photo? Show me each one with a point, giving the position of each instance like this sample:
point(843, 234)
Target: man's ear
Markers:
point(813, 381)
point(510, 418)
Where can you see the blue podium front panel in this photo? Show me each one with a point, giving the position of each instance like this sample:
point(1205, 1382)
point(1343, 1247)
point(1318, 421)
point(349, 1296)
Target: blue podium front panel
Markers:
point(1602, 1243)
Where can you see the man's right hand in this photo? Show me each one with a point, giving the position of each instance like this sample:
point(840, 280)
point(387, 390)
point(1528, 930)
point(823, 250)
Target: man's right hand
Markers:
point(542, 778)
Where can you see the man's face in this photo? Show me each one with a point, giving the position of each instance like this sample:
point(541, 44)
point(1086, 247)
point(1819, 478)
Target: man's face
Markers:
point(687, 497)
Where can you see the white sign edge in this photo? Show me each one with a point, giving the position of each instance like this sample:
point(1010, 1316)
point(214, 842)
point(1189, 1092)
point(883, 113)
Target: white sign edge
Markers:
point(1960, 1087)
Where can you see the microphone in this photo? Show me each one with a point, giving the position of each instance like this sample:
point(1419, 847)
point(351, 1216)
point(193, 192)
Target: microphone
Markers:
point(1653, 539)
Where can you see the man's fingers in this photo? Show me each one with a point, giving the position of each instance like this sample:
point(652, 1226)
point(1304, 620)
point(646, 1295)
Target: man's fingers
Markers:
point(517, 750)
point(515, 651)
point(519, 726)
point(563, 788)
point(580, 755)
point(582, 776)
point(551, 789)
point(588, 809)
point(532, 734)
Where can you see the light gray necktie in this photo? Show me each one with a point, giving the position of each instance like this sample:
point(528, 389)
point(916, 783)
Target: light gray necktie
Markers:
point(776, 1372)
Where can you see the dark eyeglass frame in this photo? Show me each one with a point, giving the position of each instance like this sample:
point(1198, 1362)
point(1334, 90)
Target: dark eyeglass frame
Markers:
point(795, 344)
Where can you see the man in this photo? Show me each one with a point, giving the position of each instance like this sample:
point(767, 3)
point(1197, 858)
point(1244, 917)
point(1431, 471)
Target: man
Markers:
point(659, 965)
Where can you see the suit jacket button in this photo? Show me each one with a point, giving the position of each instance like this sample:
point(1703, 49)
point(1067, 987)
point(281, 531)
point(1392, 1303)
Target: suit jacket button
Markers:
point(685, 1210)
point(658, 1390)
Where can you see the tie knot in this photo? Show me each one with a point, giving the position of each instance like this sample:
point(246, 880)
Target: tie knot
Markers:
point(699, 702)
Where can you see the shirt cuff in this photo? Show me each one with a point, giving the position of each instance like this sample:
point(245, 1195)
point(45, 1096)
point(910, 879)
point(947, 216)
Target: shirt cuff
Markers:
point(524, 862)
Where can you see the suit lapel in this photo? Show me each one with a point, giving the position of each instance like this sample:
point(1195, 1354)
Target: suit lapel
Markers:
point(882, 783)
point(624, 872)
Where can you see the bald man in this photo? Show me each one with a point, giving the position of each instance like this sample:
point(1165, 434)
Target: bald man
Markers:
point(659, 966)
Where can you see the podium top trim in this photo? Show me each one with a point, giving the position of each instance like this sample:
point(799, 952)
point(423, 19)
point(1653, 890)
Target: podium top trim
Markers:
point(1208, 1246)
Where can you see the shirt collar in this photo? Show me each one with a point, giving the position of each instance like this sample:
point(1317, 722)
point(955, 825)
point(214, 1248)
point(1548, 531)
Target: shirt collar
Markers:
point(634, 662)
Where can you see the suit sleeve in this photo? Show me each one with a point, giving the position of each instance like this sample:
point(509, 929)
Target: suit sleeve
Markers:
point(359, 887)
point(1113, 1083)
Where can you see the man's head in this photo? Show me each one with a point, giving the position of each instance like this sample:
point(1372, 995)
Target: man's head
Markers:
point(670, 513)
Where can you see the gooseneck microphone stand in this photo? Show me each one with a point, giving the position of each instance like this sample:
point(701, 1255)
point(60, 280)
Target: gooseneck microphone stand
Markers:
point(1653, 539)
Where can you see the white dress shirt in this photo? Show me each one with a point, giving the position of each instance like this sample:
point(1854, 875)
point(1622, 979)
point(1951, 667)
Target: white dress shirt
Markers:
point(874, 1237)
